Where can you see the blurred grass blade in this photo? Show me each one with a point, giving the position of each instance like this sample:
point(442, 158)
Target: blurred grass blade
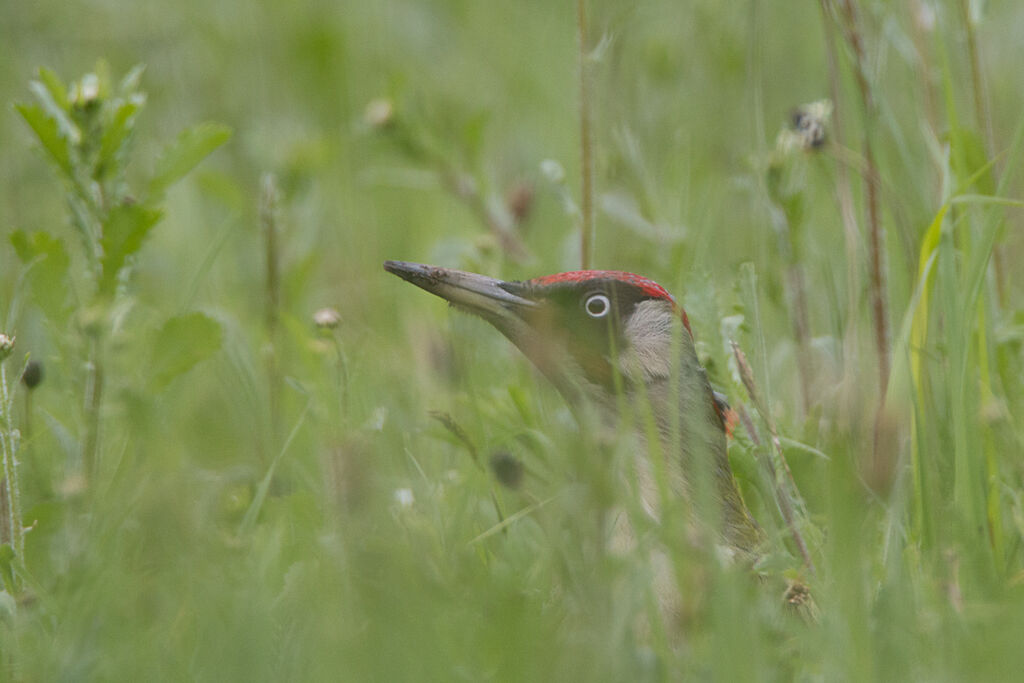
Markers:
point(511, 519)
point(253, 513)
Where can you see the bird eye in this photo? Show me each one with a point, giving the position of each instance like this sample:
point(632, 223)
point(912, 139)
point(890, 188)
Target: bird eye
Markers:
point(597, 305)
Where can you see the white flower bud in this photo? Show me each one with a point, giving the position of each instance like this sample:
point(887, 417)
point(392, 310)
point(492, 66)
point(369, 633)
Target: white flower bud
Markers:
point(327, 318)
point(6, 346)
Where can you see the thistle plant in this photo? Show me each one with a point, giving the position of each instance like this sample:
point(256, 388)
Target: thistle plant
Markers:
point(85, 131)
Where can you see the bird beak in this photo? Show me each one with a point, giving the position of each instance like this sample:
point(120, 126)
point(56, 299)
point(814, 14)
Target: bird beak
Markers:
point(479, 294)
point(521, 320)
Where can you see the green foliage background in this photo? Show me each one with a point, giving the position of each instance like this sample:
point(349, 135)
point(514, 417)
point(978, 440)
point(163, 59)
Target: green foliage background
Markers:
point(272, 501)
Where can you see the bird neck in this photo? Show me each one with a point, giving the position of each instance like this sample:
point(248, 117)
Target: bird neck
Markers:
point(690, 426)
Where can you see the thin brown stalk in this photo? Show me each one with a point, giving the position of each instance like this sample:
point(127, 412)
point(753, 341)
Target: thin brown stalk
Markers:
point(843, 189)
point(586, 151)
point(853, 37)
point(782, 488)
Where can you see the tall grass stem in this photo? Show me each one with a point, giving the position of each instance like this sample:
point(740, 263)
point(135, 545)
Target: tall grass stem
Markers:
point(586, 140)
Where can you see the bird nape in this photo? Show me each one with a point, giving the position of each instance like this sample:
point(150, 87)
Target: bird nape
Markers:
point(601, 334)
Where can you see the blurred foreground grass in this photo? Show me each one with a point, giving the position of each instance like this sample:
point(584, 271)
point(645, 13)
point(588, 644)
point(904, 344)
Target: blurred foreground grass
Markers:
point(272, 500)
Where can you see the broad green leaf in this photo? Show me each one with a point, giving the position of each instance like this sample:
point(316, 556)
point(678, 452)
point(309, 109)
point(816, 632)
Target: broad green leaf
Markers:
point(123, 233)
point(192, 146)
point(47, 260)
point(181, 343)
point(48, 134)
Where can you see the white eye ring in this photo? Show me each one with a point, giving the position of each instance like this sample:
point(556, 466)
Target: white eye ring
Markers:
point(597, 306)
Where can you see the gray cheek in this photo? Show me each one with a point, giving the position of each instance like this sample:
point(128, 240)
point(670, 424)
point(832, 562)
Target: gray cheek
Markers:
point(647, 355)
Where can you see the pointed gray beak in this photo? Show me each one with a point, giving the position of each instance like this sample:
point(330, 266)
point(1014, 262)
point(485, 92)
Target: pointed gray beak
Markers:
point(521, 320)
point(479, 294)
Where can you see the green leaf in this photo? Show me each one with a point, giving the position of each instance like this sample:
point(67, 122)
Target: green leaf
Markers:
point(58, 91)
point(182, 342)
point(192, 146)
point(48, 134)
point(116, 135)
point(8, 607)
point(124, 230)
point(60, 114)
point(47, 261)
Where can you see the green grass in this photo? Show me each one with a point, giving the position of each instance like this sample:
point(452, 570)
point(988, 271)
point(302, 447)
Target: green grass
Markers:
point(251, 497)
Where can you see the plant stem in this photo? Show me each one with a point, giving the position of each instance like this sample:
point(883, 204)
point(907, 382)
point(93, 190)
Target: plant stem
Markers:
point(984, 122)
point(11, 489)
point(586, 160)
point(801, 330)
point(272, 295)
point(783, 488)
point(93, 402)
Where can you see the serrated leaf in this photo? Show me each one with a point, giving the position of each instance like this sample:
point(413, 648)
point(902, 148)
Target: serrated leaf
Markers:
point(192, 146)
point(124, 230)
point(60, 114)
point(48, 134)
point(182, 342)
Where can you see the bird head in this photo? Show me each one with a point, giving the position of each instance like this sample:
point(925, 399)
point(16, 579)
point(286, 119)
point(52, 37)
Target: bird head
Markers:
point(585, 330)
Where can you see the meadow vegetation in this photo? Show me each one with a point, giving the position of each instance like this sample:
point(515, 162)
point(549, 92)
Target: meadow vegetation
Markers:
point(234, 448)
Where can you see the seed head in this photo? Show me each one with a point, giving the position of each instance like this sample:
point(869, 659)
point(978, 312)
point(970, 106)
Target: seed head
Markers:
point(808, 126)
point(507, 469)
point(327, 318)
point(33, 375)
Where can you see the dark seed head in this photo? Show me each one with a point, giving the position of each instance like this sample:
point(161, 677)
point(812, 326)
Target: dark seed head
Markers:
point(507, 469)
point(33, 375)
